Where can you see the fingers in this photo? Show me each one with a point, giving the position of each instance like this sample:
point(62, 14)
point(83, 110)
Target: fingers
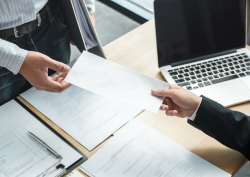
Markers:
point(55, 77)
point(168, 112)
point(171, 113)
point(164, 107)
point(166, 92)
point(65, 85)
point(60, 79)
point(62, 75)
point(35, 70)
point(55, 84)
point(57, 66)
point(44, 89)
point(163, 92)
point(173, 86)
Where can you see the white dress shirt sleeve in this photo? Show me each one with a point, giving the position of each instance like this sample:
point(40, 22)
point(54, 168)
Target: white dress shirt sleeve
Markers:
point(11, 56)
point(195, 112)
point(90, 5)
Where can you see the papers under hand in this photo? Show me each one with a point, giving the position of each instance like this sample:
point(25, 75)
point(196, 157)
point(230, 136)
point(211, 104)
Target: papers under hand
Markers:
point(114, 81)
point(87, 117)
point(20, 154)
point(139, 151)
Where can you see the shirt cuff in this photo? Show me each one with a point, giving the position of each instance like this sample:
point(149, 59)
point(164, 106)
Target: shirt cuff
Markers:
point(11, 56)
point(195, 112)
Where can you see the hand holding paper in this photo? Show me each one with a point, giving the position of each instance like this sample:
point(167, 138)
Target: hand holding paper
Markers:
point(114, 81)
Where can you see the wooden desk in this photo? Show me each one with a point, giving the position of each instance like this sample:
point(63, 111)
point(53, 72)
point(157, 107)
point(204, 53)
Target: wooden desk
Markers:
point(137, 50)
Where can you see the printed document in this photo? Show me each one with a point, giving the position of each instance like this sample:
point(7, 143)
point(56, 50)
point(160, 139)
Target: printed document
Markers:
point(87, 117)
point(114, 81)
point(20, 154)
point(139, 151)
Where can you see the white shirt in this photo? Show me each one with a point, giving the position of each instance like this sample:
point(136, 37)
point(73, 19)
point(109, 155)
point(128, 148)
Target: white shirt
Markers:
point(195, 112)
point(14, 13)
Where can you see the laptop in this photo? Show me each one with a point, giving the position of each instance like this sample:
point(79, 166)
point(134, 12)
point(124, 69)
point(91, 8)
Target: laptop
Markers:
point(201, 47)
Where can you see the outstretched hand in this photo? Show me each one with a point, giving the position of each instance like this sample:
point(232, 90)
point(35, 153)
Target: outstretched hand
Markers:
point(35, 70)
point(178, 101)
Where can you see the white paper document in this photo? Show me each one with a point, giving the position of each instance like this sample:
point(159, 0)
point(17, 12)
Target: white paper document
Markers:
point(114, 81)
point(87, 117)
point(139, 151)
point(20, 154)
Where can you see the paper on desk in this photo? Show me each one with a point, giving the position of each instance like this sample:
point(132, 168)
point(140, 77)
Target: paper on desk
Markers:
point(114, 81)
point(87, 117)
point(20, 154)
point(137, 150)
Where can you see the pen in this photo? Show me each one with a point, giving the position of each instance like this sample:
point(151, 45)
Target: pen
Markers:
point(45, 146)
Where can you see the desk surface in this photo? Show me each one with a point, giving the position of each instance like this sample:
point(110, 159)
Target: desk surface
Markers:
point(137, 50)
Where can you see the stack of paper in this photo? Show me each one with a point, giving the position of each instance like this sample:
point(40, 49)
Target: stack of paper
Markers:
point(84, 26)
point(87, 117)
point(139, 151)
point(20, 154)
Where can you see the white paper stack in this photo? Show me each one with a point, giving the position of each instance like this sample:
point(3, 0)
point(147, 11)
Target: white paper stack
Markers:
point(137, 150)
point(87, 117)
point(20, 154)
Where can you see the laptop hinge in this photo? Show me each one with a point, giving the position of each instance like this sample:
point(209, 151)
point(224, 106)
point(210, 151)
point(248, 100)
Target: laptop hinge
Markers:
point(202, 58)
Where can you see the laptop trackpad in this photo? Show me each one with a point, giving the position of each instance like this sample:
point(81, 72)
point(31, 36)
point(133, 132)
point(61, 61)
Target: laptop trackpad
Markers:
point(230, 93)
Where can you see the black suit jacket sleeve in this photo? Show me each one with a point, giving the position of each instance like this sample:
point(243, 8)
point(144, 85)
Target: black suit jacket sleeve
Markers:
point(231, 128)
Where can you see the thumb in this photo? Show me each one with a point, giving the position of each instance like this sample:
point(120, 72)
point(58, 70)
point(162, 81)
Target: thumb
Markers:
point(162, 92)
point(57, 66)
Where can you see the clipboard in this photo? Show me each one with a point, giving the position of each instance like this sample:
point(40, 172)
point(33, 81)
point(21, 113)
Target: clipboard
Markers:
point(74, 29)
point(74, 165)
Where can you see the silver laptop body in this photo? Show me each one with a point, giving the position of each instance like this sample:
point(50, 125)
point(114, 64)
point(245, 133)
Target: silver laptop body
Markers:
point(217, 72)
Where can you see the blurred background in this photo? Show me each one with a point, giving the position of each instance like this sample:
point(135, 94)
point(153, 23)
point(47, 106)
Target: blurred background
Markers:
point(115, 18)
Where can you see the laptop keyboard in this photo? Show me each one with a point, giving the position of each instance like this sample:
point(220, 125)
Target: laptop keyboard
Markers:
point(212, 72)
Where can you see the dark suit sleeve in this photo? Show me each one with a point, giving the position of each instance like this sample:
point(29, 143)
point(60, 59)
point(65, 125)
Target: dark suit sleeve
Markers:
point(230, 128)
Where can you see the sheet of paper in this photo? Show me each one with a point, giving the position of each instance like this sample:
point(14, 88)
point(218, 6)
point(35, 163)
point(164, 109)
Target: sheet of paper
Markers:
point(138, 150)
point(87, 117)
point(114, 81)
point(21, 155)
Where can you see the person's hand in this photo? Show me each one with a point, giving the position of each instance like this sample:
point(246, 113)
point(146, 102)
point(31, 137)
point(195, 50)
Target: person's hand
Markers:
point(178, 101)
point(35, 70)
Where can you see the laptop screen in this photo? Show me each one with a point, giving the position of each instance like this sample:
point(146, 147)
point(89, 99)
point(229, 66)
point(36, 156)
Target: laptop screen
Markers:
point(187, 29)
